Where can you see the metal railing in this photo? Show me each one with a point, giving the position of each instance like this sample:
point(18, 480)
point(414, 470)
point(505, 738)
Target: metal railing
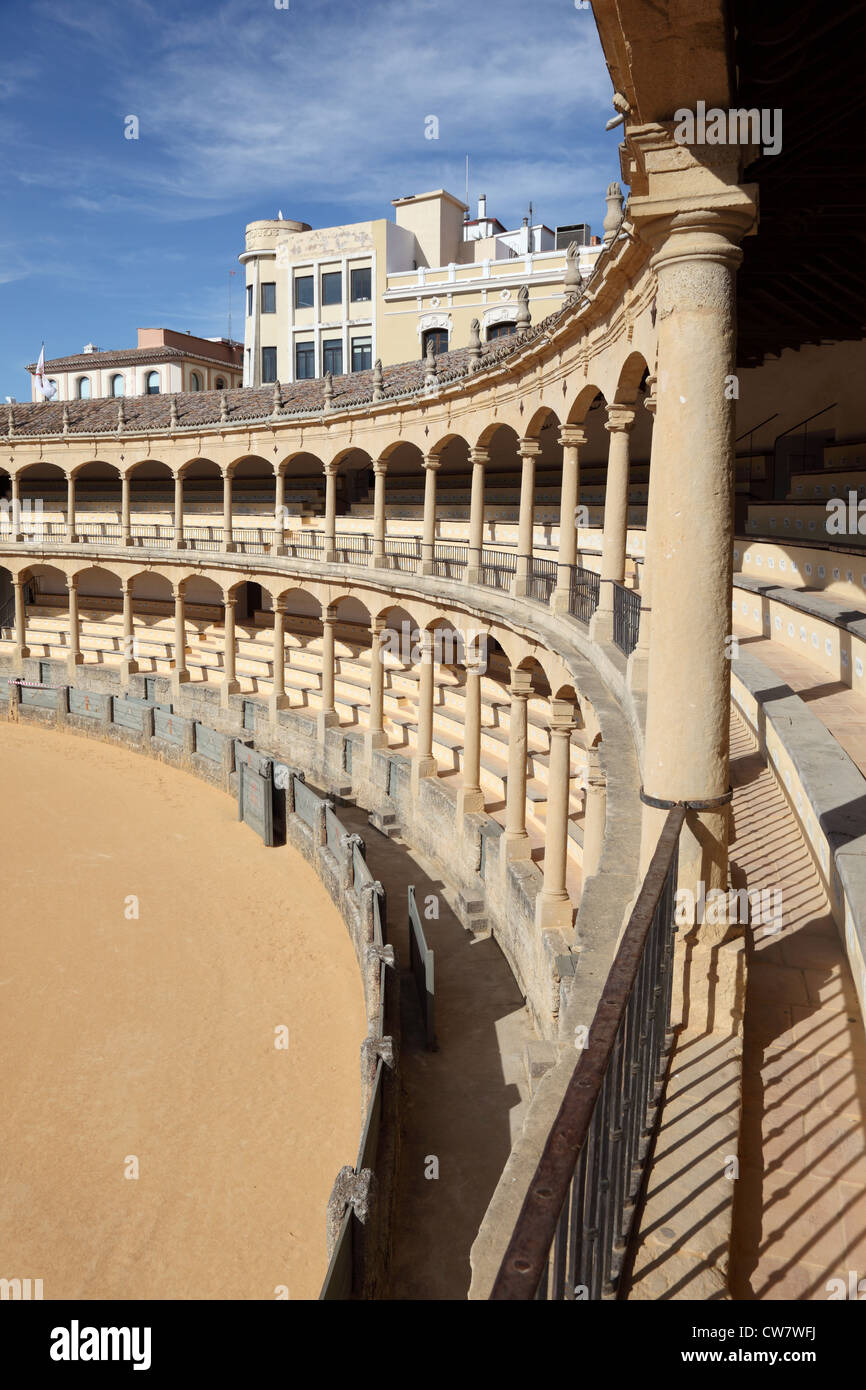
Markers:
point(626, 618)
point(583, 593)
point(160, 537)
point(353, 548)
point(572, 1235)
point(449, 561)
point(498, 568)
point(404, 555)
point(305, 545)
point(203, 537)
point(542, 579)
point(253, 540)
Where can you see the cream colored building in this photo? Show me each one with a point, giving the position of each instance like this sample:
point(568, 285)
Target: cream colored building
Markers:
point(163, 362)
point(339, 298)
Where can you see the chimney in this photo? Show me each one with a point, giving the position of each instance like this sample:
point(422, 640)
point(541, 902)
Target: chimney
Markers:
point(482, 207)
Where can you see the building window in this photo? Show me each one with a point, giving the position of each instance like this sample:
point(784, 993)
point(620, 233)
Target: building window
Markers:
point(305, 361)
point(362, 354)
point(332, 287)
point(269, 297)
point(195, 382)
point(332, 356)
point(152, 384)
point(117, 385)
point(438, 337)
point(249, 300)
point(304, 292)
point(269, 364)
point(500, 330)
point(362, 284)
point(83, 389)
point(219, 384)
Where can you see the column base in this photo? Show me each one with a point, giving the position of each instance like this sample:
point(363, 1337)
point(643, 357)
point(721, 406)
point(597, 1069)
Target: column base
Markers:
point(469, 799)
point(520, 587)
point(553, 914)
point(326, 719)
point(560, 601)
point(421, 768)
point(278, 548)
point(127, 669)
point(180, 677)
point(515, 847)
point(427, 567)
point(227, 689)
point(73, 663)
point(276, 702)
point(638, 668)
point(23, 653)
point(601, 626)
point(473, 574)
point(127, 540)
point(181, 544)
point(230, 547)
point(331, 557)
point(375, 740)
point(377, 560)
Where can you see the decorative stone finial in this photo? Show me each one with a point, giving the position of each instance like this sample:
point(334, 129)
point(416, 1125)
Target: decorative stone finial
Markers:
point(10, 421)
point(524, 320)
point(121, 416)
point(378, 380)
point(224, 408)
point(278, 402)
point(329, 391)
point(66, 419)
point(474, 345)
point(574, 281)
point(613, 216)
point(173, 412)
point(431, 376)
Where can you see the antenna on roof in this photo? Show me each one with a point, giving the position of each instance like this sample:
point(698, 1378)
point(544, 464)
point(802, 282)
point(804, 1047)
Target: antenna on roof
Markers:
point(232, 274)
point(466, 199)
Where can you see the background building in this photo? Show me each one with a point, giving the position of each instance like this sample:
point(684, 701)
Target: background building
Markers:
point(163, 361)
point(338, 298)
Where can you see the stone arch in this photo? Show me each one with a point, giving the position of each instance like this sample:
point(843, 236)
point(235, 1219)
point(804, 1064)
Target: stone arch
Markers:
point(631, 375)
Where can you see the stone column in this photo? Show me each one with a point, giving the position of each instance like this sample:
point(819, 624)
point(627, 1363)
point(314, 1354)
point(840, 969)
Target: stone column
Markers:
point(279, 699)
point(375, 736)
point(125, 510)
point(75, 658)
point(230, 684)
point(595, 813)
point(16, 530)
point(327, 714)
point(638, 662)
point(70, 509)
point(330, 512)
point(180, 673)
point(277, 547)
point(428, 542)
point(620, 420)
point(480, 459)
point(571, 438)
point(515, 838)
point(471, 797)
point(686, 756)
point(22, 649)
point(380, 469)
point(128, 665)
point(425, 764)
point(179, 539)
point(553, 905)
point(529, 450)
point(228, 541)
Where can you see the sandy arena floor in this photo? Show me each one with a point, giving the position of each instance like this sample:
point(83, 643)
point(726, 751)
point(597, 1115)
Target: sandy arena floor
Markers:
point(155, 1037)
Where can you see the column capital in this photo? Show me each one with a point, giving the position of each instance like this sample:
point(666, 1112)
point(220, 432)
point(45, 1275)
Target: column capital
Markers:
point(574, 435)
point(651, 400)
point(377, 626)
point(380, 467)
point(72, 581)
point(431, 461)
point(520, 685)
point(620, 418)
point(479, 457)
point(329, 619)
point(561, 718)
point(227, 470)
point(528, 448)
point(229, 600)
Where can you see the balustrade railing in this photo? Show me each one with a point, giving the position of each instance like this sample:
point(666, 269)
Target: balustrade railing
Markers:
point(305, 545)
point(160, 537)
point(572, 1235)
point(253, 540)
point(353, 548)
point(626, 618)
point(203, 537)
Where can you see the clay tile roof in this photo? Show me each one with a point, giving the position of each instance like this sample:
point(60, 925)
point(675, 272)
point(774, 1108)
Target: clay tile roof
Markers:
point(197, 409)
point(126, 357)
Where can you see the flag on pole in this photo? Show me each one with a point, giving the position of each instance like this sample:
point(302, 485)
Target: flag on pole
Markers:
point(47, 389)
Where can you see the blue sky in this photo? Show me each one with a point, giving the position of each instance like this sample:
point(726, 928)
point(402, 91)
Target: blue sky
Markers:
point(243, 109)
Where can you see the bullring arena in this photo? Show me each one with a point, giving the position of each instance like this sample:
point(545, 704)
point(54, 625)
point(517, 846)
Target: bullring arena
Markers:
point(549, 632)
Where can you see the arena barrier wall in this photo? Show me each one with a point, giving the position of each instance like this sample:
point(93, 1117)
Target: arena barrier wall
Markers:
point(359, 1209)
